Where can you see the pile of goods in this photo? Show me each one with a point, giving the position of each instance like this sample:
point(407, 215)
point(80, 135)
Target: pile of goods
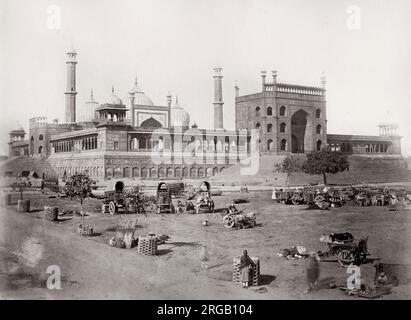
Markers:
point(124, 236)
point(50, 213)
point(147, 245)
point(347, 249)
point(23, 205)
point(292, 253)
point(254, 271)
point(322, 198)
point(326, 197)
point(85, 229)
point(233, 218)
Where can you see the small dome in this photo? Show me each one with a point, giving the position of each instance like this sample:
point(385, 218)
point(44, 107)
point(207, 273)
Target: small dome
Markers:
point(18, 130)
point(140, 99)
point(114, 100)
point(179, 117)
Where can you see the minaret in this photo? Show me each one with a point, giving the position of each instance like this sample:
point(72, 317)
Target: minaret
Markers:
point(169, 100)
point(323, 80)
point(263, 75)
point(71, 87)
point(132, 96)
point(237, 89)
point(218, 99)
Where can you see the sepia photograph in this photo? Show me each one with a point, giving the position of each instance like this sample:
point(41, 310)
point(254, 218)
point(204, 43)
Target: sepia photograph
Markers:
point(233, 150)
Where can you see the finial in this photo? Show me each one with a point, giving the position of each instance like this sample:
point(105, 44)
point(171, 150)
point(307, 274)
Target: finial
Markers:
point(91, 95)
point(135, 80)
point(323, 79)
point(112, 89)
point(176, 99)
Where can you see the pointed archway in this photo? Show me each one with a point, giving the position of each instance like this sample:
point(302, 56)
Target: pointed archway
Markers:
point(151, 123)
point(301, 132)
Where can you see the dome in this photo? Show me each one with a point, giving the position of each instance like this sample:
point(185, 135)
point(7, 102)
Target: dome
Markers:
point(18, 130)
point(140, 99)
point(179, 117)
point(114, 100)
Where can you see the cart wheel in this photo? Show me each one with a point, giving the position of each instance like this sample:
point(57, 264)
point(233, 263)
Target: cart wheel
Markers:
point(229, 222)
point(104, 208)
point(319, 201)
point(295, 199)
point(345, 257)
point(112, 208)
point(58, 195)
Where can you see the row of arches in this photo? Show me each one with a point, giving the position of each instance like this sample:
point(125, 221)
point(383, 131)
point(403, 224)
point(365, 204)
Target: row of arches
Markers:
point(283, 127)
point(284, 145)
point(214, 144)
point(161, 172)
point(93, 171)
point(283, 111)
point(376, 148)
point(89, 143)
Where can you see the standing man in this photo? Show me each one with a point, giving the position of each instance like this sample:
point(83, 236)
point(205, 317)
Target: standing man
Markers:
point(245, 264)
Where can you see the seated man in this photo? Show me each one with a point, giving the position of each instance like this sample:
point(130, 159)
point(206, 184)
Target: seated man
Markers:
point(232, 209)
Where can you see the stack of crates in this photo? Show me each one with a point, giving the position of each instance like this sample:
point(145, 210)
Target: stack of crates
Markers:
point(50, 213)
point(147, 245)
point(254, 271)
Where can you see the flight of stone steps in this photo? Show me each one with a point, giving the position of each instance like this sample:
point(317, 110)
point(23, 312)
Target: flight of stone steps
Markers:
point(25, 163)
point(362, 170)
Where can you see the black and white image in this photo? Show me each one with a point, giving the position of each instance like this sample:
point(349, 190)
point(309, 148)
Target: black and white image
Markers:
point(197, 150)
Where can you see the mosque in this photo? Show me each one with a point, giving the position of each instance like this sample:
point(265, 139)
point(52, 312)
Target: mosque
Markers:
point(140, 139)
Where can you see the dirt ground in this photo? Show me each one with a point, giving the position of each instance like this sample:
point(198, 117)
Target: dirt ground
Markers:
point(91, 269)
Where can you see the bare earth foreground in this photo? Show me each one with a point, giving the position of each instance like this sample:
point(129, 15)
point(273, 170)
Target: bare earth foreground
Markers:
point(91, 269)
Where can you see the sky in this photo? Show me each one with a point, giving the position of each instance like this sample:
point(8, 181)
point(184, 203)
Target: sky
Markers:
point(363, 48)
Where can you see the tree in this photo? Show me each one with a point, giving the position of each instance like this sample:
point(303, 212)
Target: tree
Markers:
point(134, 199)
point(79, 186)
point(325, 161)
point(290, 165)
point(20, 185)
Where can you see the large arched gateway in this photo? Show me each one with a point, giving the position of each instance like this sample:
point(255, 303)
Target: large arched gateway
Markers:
point(301, 132)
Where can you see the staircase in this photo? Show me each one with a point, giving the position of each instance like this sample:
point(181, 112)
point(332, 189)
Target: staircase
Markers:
point(362, 170)
point(266, 174)
point(15, 165)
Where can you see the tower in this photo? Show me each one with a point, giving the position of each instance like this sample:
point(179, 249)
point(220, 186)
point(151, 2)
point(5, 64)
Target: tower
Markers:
point(132, 98)
point(218, 99)
point(71, 87)
point(263, 75)
point(169, 100)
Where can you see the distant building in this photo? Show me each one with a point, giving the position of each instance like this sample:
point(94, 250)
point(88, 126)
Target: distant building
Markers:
point(112, 140)
point(145, 140)
point(293, 119)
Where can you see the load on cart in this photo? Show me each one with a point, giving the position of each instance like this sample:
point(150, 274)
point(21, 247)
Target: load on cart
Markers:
point(171, 198)
point(234, 218)
point(347, 249)
point(203, 199)
point(114, 199)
